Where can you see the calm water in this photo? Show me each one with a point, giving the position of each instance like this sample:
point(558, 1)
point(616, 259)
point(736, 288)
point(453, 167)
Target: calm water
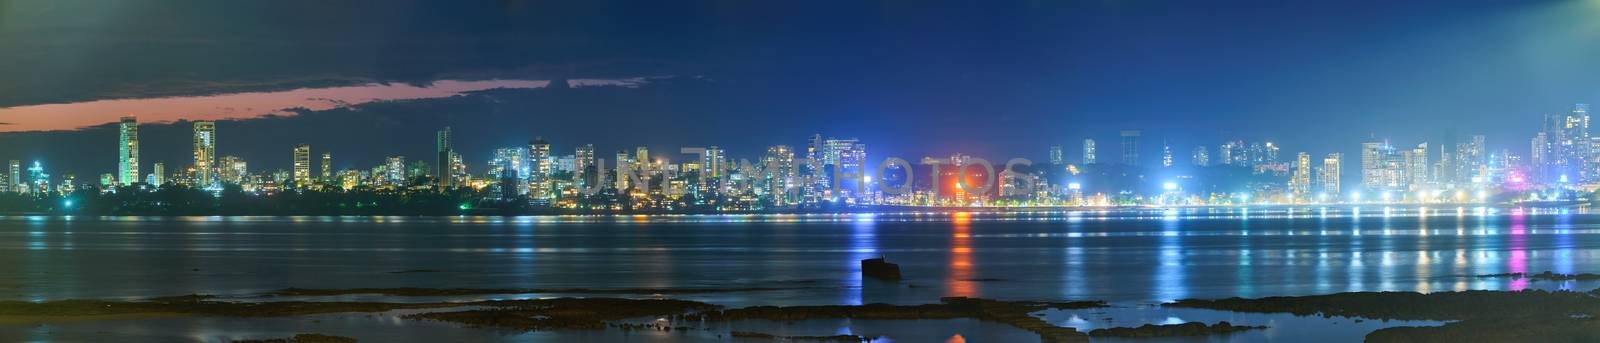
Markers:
point(1129, 258)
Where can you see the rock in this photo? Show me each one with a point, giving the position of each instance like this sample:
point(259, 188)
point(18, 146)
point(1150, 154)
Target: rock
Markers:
point(880, 269)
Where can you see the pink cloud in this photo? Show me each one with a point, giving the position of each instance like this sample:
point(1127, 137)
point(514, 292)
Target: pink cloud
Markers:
point(72, 116)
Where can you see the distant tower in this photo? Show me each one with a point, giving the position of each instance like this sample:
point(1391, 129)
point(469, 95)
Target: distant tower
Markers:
point(327, 167)
point(302, 165)
point(446, 171)
point(128, 152)
point(1130, 147)
point(15, 176)
point(1201, 156)
point(158, 174)
point(1330, 173)
point(205, 153)
point(583, 158)
point(1166, 154)
point(1088, 151)
point(1055, 155)
point(1300, 182)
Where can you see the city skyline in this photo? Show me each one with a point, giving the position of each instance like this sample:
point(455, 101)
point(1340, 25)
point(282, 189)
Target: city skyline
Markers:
point(1187, 74)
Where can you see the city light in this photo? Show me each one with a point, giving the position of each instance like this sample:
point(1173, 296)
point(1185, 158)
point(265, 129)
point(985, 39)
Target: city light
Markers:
point(1170, 186)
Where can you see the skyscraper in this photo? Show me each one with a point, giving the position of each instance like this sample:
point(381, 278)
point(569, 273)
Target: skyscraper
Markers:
point(158, 174)
point(780, 172)
point(445, 168)
point(1330, 173)
point(128, 151)
point(302, 165)
point(541, 165)
point(1300, 183)
point(1055, 156)
point(1167, 154)
point(539, 158)
point(232, 169)
point(1371, 160)
point(1088, 151)
point(327, 167)
point(205, 153)
point(1201, 156)
point(395, 171)
point(15, 176)
point(1130, 147)
point(1417, 167)
point(583, 158)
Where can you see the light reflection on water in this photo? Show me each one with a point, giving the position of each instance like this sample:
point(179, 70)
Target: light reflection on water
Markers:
point(1139, 256)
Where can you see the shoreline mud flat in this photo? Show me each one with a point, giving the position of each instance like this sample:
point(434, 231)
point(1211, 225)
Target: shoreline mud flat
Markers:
point(1480, 315)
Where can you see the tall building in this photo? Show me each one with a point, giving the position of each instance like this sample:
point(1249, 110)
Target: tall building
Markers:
point(541, 165)
point(128, 151)
point(780, 173)
point(1300, 182)
point(1166, 154)
point(1371, 160)
point(1471, 159)
point(1417, 176)
point(395, 171)
point(1201, 156)
point(232, 170)
point(446, 170)
point(712, 165)
point(582, 160)
point(158, 174)
point(641, 160)
point(1130, 147)
point(1055, 156)
point(327, 167)
point(1088, 151)
point(539, 157)
point(1330, 173)
point(205, 153)
point(623, 163)
point(15, 177)
point(302, 165)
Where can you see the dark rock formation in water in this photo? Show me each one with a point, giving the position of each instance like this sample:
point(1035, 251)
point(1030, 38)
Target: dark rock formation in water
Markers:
point(878, 268)
point(303, 338)
point(1172, 330)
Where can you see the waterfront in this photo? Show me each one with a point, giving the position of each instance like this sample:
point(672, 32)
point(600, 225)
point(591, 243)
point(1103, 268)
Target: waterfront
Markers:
point(1129, 258)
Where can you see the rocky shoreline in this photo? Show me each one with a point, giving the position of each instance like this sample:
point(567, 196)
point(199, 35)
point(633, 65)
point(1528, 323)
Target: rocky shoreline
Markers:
point(1478, 315)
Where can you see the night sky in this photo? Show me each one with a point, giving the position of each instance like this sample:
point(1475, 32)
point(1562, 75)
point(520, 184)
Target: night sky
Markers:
point(910, 78)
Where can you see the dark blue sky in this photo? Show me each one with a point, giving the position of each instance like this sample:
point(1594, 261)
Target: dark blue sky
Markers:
point(996, 79)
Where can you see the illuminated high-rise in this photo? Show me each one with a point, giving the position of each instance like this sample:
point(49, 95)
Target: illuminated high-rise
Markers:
point(205, 153)
point(302, 165)
point(1088, 151)
point(541, 165)
point(1201, 156)
point(232, 169)
point(1416, 167)
point(583, 159)
point(780, 173)
point(1166, 154)
point(1055, 156)
point(539, 158)
point(128, 151)
point(1371, 161)
point(395, 171)
point(1130, 147)
point(15, 176)
point(1329, 177)
point(327, 167)
point(445, 168)
point(1300, 182)
point(158, 174)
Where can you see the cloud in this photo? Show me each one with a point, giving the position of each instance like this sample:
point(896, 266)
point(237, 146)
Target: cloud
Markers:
point(79, 115)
